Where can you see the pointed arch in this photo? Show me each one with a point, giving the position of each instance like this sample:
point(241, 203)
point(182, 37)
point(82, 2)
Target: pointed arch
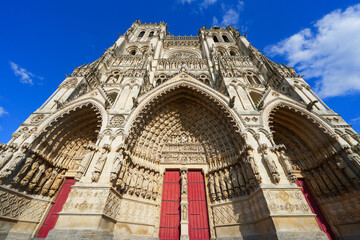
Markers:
point(183, 112)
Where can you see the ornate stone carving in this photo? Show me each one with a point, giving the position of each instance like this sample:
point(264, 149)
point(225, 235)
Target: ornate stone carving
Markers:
point(270, 163)
point(117, 121)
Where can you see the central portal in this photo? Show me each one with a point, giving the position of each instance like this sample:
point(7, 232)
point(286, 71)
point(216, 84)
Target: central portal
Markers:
point(171, 214)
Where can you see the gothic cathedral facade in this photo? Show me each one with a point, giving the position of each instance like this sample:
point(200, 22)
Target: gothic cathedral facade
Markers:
point(181, 137)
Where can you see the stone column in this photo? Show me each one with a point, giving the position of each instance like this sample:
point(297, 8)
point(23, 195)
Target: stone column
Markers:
point(184, 206)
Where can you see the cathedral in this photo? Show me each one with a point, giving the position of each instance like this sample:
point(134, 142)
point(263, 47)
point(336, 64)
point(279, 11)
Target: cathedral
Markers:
point(181, 137)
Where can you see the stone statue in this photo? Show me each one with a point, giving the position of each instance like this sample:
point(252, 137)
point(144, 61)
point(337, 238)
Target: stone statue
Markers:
point(223, 185)
point(228, 182)
point(251, 165)
point(30, 174)
point(84, 163)
point(240, 178)
point(183, 181)
point(343, 179)
point(134, 177)
point(57, 183)
point(139, 181)
point(347, 170)
point(212, 187)
point(150, 187)
point(23, 170)
point(321, 183)
point(36, 178)
point(10, 167)
point(145, 183)
point(116, 165)
point(46, 176)
point(234, 180)
point(99, 165)
point(271, 165)
point(6, 156)
point(354, 159)
point(184, 212)
point(287, 166)
point(156, 186)
point(49, 182)
point(217, 185)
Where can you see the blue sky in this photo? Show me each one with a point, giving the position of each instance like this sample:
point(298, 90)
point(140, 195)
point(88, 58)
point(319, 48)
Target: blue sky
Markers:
point(43, 40)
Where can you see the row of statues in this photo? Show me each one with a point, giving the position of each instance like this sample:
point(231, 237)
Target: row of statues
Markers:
point(24, 170)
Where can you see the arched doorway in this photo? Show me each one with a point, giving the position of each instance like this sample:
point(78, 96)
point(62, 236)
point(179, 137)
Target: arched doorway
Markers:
point(185, 130)
point(61, 147)
point(323, 173)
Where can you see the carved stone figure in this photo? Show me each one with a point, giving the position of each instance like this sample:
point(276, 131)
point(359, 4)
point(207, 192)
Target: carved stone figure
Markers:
point(36, 178)
point(6, 156)
point(354, 159)
point(234, 180)
point(212, 187)
point(183, 181)
point(23, 170)
point(217, 186)
point(30, 174)
point(49, 182)
point(225, 194)
point(151, 185)
point(228, 182)
point(118, 159)
point(134, 176)
point(184, 212)
point(347, 170)
point(145, 183)
point(140, 181)
point(10, 167)
point(287, 166)
point(43, 180)
point(271, 165)
point(240, 178)
point(99, 165)
point(57, 183)
point(251, 166)
point(156, 186)
point(84, 163)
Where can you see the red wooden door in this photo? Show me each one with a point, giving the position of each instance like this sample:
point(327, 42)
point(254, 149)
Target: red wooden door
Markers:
point(170, 207)
point(53, 215)
point(324, 226)
point(198, 216)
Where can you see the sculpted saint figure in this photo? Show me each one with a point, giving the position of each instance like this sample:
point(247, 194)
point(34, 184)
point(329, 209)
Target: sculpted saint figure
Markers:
point(6, 156)
point(49, 182)
point(30, 174)
point(271, 165)
point(217, 185)
point(99, 166)
point(212, 187)
point(10, 167)
point(287, 166)
point(343, 179)
point(117, 164)
point(23, 170)
point(234, 180)
point(84, 163)
point(57, 183)
point(145, 183)
point(151, 185)
point(36, 178)
point(354, 159)
point(240, 178)
point(228, 182)
point(223, 185)
point(133, 180)
point(183, 181)
point(139, 181)
point(334, 179)
point(347, 170)
point(46, 176)
point(156, 186)
point(251, 166)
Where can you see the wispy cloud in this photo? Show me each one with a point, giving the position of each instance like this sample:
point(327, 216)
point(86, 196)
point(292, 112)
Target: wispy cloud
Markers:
point(186, 1)
point(2, 111)
point(231, 15)
point(26, 77)
point(330, 53)
point(355, 120)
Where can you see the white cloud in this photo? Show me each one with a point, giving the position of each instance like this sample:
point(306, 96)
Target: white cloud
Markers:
point(231, 15)
point(186, 1)
point(355, 120)
point(330, 53)
point(207, 3)
point(2, 111)
point(26, 77)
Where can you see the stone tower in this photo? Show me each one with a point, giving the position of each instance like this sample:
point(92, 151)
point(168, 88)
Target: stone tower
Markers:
point(190, 137)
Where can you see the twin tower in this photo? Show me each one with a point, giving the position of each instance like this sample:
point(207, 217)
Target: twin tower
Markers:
point(181, 137)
